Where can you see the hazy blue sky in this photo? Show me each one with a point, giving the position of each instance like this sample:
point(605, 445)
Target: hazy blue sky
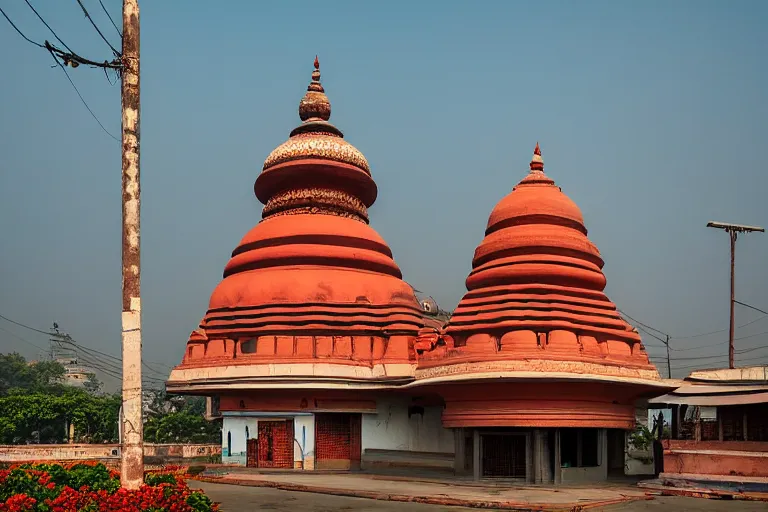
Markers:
point(652, 117)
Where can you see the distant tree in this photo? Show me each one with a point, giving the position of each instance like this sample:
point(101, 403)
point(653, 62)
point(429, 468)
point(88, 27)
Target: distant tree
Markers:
point(36, 407)
point(16, 373)
point(93, 385)
point(181, 427)
point(47, 374)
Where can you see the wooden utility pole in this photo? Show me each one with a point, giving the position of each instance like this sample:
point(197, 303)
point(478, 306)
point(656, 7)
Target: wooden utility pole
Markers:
point(132, 453)
point(669, 362)
point(731, 325)
point(733, 230)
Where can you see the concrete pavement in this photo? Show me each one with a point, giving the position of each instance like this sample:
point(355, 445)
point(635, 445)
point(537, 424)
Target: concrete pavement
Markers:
point(234, 498)
point(443, 493)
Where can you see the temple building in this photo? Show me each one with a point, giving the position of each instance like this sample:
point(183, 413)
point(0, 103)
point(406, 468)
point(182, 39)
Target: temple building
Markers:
point(318, 355)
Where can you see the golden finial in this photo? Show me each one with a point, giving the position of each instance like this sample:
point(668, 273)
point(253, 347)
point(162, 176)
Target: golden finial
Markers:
point(315, 105)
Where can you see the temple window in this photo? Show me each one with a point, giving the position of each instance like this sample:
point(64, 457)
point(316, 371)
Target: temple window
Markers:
point(579, 447)
point(248, 346)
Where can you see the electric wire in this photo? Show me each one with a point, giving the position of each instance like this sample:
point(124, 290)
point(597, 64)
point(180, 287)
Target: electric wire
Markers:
point(19, 31)
point(87, 15)
point(110, 19)
point(81, 97)
point(22, 339)
point(49, 27)
point(65, 338)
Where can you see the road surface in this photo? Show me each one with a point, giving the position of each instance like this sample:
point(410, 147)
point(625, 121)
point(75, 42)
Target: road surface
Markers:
point(235, 498)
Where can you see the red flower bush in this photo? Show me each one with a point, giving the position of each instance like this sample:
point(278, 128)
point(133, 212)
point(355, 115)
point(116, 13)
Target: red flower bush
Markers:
point(92, 487)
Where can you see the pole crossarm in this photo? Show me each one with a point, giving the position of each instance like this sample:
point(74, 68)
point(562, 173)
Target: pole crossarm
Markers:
point(733, 231)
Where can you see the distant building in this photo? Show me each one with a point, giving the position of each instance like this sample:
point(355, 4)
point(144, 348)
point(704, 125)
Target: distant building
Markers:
point(719, 424)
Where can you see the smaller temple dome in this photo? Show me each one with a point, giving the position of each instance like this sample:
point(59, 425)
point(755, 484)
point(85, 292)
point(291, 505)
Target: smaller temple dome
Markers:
point(536, 289)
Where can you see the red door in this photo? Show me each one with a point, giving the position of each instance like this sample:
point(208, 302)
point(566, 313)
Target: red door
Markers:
point(275, 444)
point(252, 453)
point(337, 441)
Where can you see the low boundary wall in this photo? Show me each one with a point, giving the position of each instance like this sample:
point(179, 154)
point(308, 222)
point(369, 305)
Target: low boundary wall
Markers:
point(161, 452)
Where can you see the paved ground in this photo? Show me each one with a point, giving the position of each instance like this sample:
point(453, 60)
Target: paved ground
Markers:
point(235, 498)
point(679, 504)
point(444, 492)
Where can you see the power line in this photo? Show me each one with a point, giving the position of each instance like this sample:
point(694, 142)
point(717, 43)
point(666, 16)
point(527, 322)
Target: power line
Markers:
point(750, 307)
point(719, 331)
point(19, 31)
point(646, 326)
point(110, 19)
point(49, 27)
point(81, 97)
point(47, 333)
point(65, 338)
point(85, 11)
point(22, 339)
point(69, 58)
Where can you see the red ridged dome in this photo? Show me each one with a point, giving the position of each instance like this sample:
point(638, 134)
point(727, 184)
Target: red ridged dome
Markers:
point(536, 289)
point(312, 280)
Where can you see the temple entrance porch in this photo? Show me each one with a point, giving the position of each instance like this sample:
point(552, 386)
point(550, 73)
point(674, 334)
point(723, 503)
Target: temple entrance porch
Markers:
point(546, 455)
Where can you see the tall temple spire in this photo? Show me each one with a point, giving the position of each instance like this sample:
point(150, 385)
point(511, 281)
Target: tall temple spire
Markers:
point(536, 174)
point(315, 105)
point(316, 170)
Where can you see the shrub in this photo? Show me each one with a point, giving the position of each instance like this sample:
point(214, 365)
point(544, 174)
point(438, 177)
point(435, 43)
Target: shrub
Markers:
point(92, 487)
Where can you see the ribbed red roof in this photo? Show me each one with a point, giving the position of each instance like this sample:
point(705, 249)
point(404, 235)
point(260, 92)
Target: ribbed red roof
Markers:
point(536, 287)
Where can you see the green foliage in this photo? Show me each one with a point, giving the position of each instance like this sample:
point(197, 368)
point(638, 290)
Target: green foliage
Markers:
point(88, 487)
point(641, 438)
point(94, 417)
point(199, 502)
point(93, 385)
point(96, 477)
point(36, 407)
point(16, 374)
point(155, 479)
point(180, 427)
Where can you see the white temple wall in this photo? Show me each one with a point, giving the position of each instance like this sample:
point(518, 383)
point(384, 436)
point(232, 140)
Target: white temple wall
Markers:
point(236, 428)
point(391, 428)
point(304, 445)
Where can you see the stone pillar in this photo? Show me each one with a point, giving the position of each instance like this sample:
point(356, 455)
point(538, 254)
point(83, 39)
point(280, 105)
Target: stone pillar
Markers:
point(746, 435)
point(476, 458)
point(603, 446)
point(459, 451)
point(541, 469)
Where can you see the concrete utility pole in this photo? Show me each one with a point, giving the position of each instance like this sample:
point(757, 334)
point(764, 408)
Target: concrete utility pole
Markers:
point(132, 453)
point(733, 230)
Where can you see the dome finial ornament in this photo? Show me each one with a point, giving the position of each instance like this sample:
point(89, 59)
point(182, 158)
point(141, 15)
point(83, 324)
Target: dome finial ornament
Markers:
point(537, 163)
point(314, 105)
